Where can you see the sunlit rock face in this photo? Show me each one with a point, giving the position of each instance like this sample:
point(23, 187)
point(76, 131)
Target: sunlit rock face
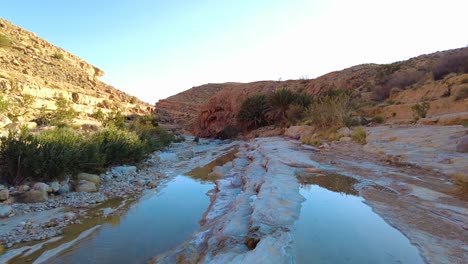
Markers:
point(33, 67)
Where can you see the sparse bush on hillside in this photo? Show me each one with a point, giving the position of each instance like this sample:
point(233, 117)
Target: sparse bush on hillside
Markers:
point(114, 118)
point(99, 115)
point(64, 114)
point(4, 42)
point(420, 110)
point(378, 119)
point(252, 113)
point(58, 56)
point(399, 80)
point(4, 104)
point(462, 94)
point(454, 63)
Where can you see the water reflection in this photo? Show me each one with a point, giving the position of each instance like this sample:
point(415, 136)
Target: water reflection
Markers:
point(336, 228)
point(333, 182)
point(149, 228)
point(204, 173)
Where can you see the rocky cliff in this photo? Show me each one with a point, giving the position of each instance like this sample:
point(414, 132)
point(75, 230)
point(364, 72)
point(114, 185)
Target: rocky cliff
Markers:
point(391, 90)
point(32, 68)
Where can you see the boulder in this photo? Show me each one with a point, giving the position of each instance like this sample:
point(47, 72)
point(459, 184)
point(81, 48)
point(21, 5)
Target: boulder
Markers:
point(121, 171)
point(85, 186)
point(4, 195)
point(40, 186)
point(462, 145)
point(344, 131)
point(299, 132)
point(4, 121)
point(89, 177)
point(34, 196)
point(345, 139)
point(2, 187)
point(5, 210)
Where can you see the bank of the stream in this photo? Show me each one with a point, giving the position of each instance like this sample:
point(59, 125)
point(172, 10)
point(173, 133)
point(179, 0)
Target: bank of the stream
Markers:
point(272, 200)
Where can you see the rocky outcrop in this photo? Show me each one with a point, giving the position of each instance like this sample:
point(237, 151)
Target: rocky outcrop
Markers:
point(34, 73)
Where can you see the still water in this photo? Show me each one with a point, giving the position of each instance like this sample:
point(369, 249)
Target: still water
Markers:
point(335, 226)
point(153, 226)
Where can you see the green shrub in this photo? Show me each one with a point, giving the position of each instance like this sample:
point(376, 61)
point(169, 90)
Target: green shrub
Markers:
point(280, 100)
point(228, 132)
point(462, 93)
point(420, 110)
point(115, 118)
point(378, 119)
point(58, 56)
point(44, 157)
point(196, 140)
point(56, 152)
point(252, 113)
point(330, 110)
point(64, 114)
point(119, 146)
point(295, 113)
point(359, 135)
point(4, 42)
point(156, 138)
point(99, 115)
point(4, 104)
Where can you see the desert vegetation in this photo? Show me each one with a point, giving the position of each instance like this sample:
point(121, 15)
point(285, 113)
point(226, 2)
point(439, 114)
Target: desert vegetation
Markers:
point(61, 151)
point(453, 63)
point(4, 41)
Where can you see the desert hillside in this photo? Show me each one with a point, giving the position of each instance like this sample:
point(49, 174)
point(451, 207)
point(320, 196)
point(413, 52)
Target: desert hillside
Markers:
point(390, 90)
point(34, 74)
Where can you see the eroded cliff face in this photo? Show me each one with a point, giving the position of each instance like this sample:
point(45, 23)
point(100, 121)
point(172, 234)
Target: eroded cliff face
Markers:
point(206, 110)
point(32, 67)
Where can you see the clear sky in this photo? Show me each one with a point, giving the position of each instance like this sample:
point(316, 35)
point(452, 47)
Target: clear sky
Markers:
point(153, 49)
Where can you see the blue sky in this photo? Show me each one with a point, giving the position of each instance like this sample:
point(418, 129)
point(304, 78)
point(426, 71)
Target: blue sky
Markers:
point(154, 49)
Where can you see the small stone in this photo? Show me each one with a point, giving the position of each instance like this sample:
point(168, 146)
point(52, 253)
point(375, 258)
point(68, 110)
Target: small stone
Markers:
point(4, 195)
point(5, 210)
point(345, 139)
point(23, 188)
point(85, 186)
point(34, 196)
point(89, 177)
point(153, 184)
point(55, 186)
point(40, 186)
point(121, 171)
point(344, 131)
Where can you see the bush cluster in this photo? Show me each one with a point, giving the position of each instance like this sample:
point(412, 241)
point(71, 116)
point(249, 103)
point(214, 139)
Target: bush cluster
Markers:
point(420, 110)
point(62, 116)
point(282, 106)
point(61, 151)
point(454, 63)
